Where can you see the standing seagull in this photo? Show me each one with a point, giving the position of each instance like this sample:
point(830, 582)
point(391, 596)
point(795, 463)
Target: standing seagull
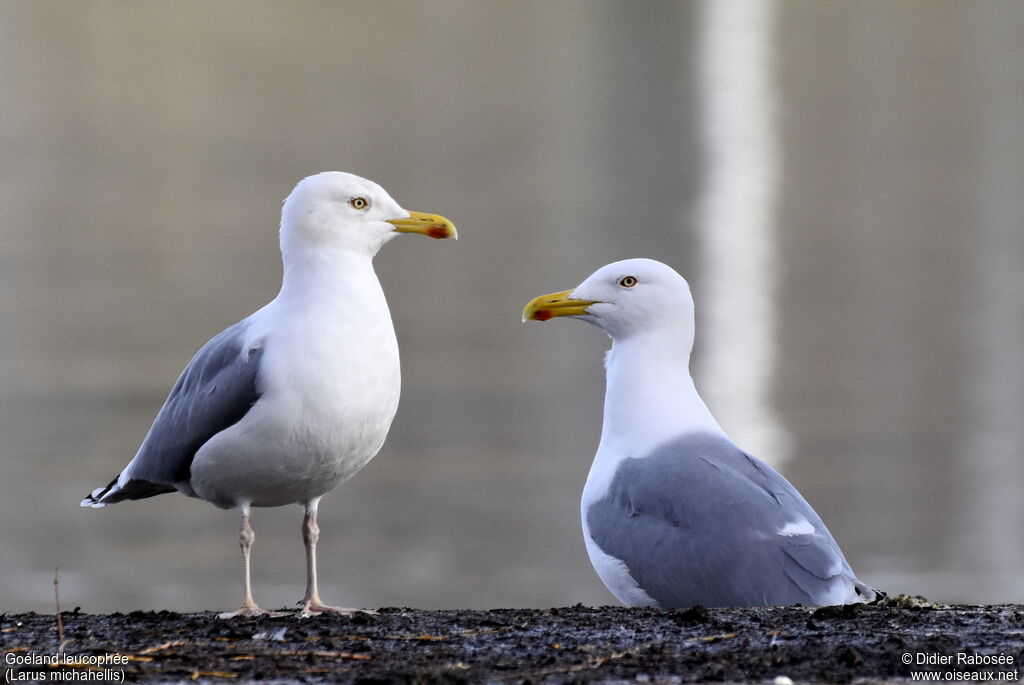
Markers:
point(674, 514)
point(295, 399)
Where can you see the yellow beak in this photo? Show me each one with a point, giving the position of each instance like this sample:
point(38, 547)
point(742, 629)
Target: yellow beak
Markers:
point(426, 224)
point(554, 304)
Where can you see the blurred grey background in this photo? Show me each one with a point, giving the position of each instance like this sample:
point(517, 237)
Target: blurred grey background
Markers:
point(840, 182)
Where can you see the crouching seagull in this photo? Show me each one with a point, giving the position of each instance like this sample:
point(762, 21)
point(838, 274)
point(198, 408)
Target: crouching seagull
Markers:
point(674, 514)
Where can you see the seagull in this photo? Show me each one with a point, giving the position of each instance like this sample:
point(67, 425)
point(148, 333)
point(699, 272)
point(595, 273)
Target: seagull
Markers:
point(286, 404)
point(675, 514)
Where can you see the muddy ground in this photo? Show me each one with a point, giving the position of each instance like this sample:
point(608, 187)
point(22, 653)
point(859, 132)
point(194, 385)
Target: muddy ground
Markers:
point(577, 644)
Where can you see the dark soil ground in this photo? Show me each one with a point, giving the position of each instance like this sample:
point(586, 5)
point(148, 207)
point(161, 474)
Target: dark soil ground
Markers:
point(577, 644)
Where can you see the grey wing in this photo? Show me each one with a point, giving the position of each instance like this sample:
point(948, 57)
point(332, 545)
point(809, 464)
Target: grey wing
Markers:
point(216, 389)
point(700, 522)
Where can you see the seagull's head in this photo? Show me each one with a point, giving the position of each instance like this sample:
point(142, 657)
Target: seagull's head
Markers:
point(624, 298)
point(343, 211)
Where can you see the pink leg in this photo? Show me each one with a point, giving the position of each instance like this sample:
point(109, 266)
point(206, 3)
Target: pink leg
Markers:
point(246, 537)
point(311, 604)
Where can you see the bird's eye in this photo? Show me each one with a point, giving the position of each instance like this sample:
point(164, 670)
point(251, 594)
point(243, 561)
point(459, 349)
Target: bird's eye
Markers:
point(359, 203)
point(627, 281)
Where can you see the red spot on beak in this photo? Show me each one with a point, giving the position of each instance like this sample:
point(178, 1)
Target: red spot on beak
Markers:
point(542, 315)
point(437, 232)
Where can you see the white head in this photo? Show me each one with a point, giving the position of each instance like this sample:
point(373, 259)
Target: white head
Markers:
point(625, 299)
point(646, 308)
point(342, 211)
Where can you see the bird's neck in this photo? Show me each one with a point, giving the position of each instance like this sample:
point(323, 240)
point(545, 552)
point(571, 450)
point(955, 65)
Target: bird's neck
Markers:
point(650, 396)
point(330, 279)
point(325, 270)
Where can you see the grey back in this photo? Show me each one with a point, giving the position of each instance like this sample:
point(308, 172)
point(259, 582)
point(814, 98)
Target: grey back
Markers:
point(697, 521)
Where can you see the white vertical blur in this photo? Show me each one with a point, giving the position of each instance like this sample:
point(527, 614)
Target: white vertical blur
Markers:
point(736, 303)
point(989, 547)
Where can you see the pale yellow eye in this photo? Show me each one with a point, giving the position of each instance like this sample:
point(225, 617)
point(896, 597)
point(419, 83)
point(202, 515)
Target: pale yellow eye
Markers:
point(627, 281)
point(359, 203)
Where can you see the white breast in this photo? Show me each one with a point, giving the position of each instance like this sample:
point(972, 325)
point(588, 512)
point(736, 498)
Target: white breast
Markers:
point(335, 384)
point(330, 380)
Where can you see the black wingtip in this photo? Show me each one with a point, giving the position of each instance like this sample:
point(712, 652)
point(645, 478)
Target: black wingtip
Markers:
point(870, 594)
point(95, 498)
